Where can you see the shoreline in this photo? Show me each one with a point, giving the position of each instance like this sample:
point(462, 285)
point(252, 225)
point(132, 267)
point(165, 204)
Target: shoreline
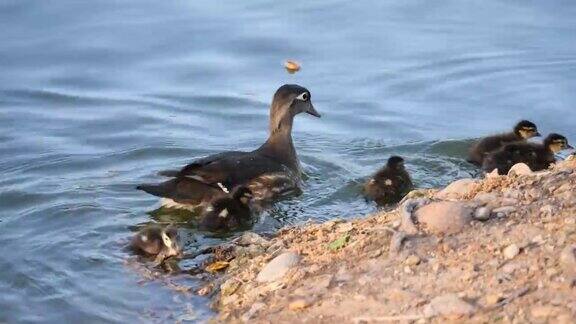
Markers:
point(502, 248)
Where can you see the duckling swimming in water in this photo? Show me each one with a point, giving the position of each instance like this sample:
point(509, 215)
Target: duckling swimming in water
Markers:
point(536, 156)
point(522, 131)
point(229, 212)
point(271, 172)
point(389, 184)
point(158, 242)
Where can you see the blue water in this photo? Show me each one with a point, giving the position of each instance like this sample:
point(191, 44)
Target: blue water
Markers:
point(96, 96)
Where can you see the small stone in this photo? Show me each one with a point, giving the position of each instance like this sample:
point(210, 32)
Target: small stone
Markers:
point(493, 299)
point(412, 260)
point(520, 169)
point(482, 214)
point(449, 304)
point(252, 311)
point(511, 251)
point(278, 267)
point(547, 209)
point(298, 304)
point(444, 217)
point(505, 210)
point(456, 189)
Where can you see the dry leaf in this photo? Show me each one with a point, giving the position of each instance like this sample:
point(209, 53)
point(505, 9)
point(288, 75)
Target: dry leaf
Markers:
point(217, 266)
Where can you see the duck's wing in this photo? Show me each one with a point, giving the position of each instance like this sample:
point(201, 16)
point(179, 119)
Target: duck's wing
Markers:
point(230, 169)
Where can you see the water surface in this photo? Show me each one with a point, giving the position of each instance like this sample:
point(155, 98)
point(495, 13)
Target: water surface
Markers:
point(97, 96)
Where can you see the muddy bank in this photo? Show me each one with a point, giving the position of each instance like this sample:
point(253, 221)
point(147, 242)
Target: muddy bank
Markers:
point(500, 249)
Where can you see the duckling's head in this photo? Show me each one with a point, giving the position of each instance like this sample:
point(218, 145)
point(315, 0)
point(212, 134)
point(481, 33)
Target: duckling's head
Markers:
point(242, 194)
point(556, 143)
point(290, 100)
point(155, 240)
point(526, 129)
point(395, 162)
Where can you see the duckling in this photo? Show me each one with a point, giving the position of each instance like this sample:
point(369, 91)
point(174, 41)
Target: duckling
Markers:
point(536, 156)
point(157, 242)
point(228, 213)
point(522, 131)
point(214, 176)
point(389, 184)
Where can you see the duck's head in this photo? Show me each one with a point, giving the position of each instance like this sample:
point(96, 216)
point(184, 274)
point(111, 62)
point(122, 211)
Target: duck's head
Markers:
point(556, 143)
point(290, 100)
point(526, 129)
point(395, 162)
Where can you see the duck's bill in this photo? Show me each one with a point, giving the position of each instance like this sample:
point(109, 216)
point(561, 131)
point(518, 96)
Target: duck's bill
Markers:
point(312, 111)
point(569, 147)
point(537, 134)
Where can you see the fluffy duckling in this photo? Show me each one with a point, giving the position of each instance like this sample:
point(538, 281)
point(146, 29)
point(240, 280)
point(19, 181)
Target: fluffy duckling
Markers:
point(229, 212)
point(214, 176)
point(522, 131)
point(389, 184)
point(156, 241)
point(536, 156)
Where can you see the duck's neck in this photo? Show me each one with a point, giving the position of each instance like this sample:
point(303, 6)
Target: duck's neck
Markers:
point(279, 145)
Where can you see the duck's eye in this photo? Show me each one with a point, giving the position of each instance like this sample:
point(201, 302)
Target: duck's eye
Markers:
point(304, 96)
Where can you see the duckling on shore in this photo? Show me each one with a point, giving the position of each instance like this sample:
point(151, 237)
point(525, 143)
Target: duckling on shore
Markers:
point(522, 131)
point(228, 212)
point(389, 184)
point(536, 156)
point(156, 241)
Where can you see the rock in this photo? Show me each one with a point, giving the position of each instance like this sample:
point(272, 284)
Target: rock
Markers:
point(493, 174)
point(253, 310)
point(412, 260)
point(444, 217)
point(456, 189)
point(504, 210)
point(547, 209)
point(449, 304)
point(511, 251)
point(278, 267)
point(520, 169)
point(493, 299)
point(251, 238)
point(568, 260)
point(482, 214)
point(229, 287)
point(298, 304)
point(485, 198)
point(406, 210)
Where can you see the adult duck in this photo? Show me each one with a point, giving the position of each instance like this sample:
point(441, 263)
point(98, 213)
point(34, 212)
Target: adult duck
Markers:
point(270, 172)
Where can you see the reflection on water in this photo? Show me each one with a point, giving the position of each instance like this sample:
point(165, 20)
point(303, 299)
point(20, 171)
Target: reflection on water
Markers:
point(95, 98)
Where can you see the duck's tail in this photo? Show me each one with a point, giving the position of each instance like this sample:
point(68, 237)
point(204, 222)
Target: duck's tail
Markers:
point(165, 189)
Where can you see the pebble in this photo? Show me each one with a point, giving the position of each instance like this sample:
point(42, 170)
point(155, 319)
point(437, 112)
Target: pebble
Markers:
point(493, 299)
point(511, 251)
point(504, 210)
point(482, 214)
point(520, 169)
point(456, 189)
point(298, 304)
point(547, 209)
point(444, 217)
point(278, 267)
point(412, 260)
point(253, 310)
point(449, 304)
point(543, 311)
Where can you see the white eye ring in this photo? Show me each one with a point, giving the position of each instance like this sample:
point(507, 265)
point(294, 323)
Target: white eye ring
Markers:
point(166, 239)
point(304, 96)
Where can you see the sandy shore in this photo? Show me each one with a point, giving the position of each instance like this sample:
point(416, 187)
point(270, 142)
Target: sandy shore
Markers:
point(500, 249)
